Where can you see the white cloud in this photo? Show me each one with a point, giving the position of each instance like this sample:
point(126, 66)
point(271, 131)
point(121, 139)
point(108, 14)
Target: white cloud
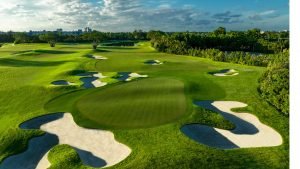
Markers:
point(269, 12)
point(115, 15)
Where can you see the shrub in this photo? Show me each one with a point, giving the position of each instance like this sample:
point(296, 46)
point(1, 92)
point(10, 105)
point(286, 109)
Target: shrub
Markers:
point(274, 83)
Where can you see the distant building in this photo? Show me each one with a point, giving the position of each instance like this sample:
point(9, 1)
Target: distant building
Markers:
point(59, 31)
point(88, 29)
point(33, 33)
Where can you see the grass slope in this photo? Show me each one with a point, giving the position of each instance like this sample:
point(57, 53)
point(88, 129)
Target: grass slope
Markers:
point(142, 103)
point(27, 70)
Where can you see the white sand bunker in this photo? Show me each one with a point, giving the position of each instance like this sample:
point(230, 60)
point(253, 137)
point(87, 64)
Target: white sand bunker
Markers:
point(249, 131)
point(227, 72)
point(100, 143)
point(96, 148)
point(135, 76)
point(153, 62)
point(98, 57)
point(62, 83)
point(128, 76)
point(92, 79)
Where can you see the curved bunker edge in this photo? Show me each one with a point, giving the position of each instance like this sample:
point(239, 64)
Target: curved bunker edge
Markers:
point(248, 133)
point(98, 148)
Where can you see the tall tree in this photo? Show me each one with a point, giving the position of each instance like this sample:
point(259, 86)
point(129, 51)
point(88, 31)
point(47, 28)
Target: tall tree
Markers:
point(95, 37)
point(20, 37)
point(49, 37)
point(220, 31)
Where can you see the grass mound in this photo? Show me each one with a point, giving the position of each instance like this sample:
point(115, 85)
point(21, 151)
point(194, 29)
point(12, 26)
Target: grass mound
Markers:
point(68, 157)
point(143, 103)
point(210, 118)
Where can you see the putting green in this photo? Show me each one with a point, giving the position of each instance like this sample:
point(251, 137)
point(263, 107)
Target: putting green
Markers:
point(142, 103)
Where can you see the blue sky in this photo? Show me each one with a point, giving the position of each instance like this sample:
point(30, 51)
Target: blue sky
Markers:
point(127, 15)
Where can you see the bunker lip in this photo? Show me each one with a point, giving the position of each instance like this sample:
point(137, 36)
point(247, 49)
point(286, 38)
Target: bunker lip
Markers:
point(92, 79)
point(129, 76)
point(226, 72)
point(249, 131)
point(97, 57)
point(153, 62)
point(98, 148)
point(62, 83)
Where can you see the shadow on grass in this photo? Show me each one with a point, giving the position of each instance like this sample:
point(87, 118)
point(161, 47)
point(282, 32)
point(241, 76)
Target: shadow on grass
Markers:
point(207, 135)
point(90, 159)
point(219, 71)
point(119, 47)
point(242, 126)
point(30, 158)
point(102, 50)
point(24, 63)
point(39, 146)
point(204, 89)
point(40, 51)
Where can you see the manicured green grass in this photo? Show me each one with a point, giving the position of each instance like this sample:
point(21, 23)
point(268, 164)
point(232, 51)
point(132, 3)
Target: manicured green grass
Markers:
point(210, 118)
point(143, 103)
point(64, 156)
point(25, 92)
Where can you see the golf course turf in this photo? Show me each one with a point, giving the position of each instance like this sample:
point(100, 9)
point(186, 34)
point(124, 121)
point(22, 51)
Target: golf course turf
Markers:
point(142, 103)
point(145, 114)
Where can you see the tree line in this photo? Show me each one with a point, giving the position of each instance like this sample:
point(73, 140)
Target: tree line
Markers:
point(94, 37)
point(252, 47)
point(253, 40)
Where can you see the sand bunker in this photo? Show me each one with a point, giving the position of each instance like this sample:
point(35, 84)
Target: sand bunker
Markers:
point(227, 72)
point(98, 57)
point(249, 131)
point(135, 76)
point(128, 76)
point(96, 148)
point(92, 79)
point(62, 83)
point(153, 62)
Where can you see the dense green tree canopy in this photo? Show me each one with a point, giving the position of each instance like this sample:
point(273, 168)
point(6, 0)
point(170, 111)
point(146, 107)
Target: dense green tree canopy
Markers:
point(220, 31)
point(20, 37)
point(49, 37)
point(274, 84)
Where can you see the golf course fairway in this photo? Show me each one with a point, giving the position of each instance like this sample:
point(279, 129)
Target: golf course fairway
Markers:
point(145, 114)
